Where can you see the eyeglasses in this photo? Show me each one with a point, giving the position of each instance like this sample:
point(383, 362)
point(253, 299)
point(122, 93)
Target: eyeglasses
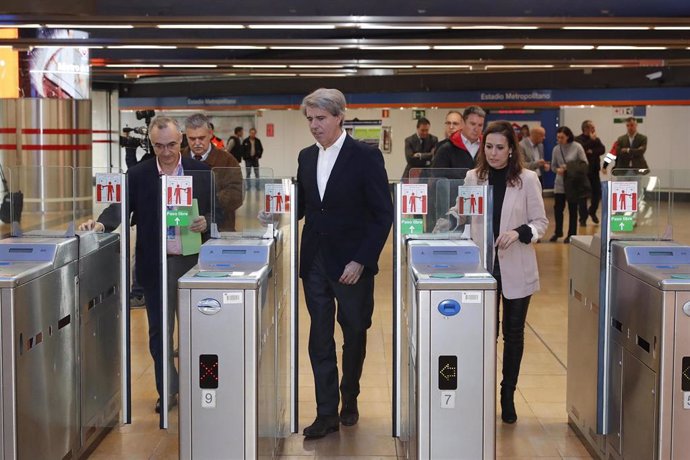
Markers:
point(172, 146)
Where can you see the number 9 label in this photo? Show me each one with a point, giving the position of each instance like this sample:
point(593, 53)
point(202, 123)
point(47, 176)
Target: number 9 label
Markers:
point(208, 399)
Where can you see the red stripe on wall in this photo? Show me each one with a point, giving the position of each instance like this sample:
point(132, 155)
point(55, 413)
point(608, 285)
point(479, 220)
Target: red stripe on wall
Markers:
point(55, 147)
point(8, 146)
point(8, 130)
point(56, 131)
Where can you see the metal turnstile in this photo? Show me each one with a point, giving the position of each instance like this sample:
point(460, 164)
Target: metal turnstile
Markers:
point(448, 352)
point(60, 329)
point(234, 340)
point(649, 324)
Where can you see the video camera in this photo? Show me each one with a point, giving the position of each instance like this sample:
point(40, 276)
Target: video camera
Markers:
point(145, 115)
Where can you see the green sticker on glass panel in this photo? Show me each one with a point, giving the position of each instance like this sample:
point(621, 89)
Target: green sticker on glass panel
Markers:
point(621, 223)
point(446, 275)
point(681, 276)
point(411, 226)
point(212, 274)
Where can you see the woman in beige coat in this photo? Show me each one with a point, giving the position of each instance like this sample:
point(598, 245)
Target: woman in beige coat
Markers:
point(519, 220)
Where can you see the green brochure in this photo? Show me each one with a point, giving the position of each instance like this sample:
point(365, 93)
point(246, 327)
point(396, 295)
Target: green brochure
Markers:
point(191, 241)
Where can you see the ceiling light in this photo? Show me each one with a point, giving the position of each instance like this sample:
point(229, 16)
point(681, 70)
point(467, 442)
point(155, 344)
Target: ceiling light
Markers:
point(22, 26)
point(272, 74)
point(672, 28)
point(260, 66)
point(142, 47)
point(593, 66)
point(190, 66)
point(393, 27)
point(605, 28)
point(323, 75)
point(494, 27)
point(291, 26)
point(90, 26)
point(557, 47)
point(200, 26)
point(629, 47)
point(231, 47)
point(133, 65)
point(519, 66)
point(384, 66)
point(469, 47)
point(443, 66)
point(315, 66)
point(304, 47)
point(91, 47)
point(395, 47)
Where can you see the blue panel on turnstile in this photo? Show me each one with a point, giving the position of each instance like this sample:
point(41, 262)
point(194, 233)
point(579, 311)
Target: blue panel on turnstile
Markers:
point(652, 255)
point(27, 252)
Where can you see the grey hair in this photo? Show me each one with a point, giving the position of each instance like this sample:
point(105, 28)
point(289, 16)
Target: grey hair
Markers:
point(329, 99)
point(473, 109)
point(162, 122)
point(196, 121)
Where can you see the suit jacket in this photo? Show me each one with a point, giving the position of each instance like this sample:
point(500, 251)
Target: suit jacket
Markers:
point(354, 218)
point(528, 155)
point(143, 191)
point(521, 205)
point(414, 144)
point(635, 157)
point(227, 183)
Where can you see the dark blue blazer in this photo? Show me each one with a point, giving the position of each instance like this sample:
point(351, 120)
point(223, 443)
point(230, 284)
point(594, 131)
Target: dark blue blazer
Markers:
point(354, 218)
point(143, 189)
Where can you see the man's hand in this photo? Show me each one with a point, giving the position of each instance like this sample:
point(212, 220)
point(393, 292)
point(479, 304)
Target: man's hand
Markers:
point(505, 239)
point(198, 224)
point(92, 225)
point(352, 272)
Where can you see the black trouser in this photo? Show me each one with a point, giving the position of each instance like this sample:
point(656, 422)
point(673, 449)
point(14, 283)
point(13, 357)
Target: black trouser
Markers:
point(252, 163)
point(595, 181)
point(559, 207)
point(177, 266)
point(513, 330)
point(355, 307)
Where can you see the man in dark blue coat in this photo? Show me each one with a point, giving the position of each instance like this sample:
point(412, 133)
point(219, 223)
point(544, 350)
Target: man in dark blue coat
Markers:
point(344, 197)
point(143, 187)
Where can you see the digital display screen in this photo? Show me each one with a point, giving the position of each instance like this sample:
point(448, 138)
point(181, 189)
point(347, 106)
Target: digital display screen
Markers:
point(660, 253)
point(447, 372)
point(685, 375)
point(234, 251)
point(21, 250)
point(445, 253)
point(208, 371)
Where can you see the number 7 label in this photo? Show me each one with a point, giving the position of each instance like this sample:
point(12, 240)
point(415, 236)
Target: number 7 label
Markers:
point(447, 400)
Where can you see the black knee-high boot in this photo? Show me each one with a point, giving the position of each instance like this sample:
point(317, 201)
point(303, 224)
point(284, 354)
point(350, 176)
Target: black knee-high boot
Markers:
point(513, 328)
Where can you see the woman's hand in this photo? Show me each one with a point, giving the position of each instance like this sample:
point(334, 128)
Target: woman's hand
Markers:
point(560, 171)
point(505, 239)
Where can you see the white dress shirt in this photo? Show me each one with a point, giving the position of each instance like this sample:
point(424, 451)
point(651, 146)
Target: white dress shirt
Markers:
point(472, 147)
point(325, 162)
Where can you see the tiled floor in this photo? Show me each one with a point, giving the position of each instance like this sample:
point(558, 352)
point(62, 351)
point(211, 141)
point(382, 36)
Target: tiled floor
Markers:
point(541, 431)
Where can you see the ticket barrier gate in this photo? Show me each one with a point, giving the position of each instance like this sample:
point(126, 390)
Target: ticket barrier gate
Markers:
point(60, 329)
point(649, 388)
point(234, 351)
point(448, 351)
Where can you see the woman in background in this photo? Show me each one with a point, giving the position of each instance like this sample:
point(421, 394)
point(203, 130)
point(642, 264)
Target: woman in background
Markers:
point(564, 151)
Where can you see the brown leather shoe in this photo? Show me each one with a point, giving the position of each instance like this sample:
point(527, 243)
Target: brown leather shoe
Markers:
point(323, 425)
point(349, 415)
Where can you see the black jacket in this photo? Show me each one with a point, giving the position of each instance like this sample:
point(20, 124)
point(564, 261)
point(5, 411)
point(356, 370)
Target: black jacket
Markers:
point(143, 191)
point(354, 218)
point(247, 148)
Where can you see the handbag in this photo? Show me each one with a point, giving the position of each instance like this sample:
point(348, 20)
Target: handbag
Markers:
point(575, 179)
point(12, 203)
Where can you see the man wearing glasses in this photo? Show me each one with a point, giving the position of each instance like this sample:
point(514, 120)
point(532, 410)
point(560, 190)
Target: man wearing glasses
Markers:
point(144, 203)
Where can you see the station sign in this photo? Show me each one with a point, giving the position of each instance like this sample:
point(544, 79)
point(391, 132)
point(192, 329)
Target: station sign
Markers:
point(179, 192)
point(471, 200)
point(108, 188)
point(623, 197)
point(276, 198)
point(415, 198)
